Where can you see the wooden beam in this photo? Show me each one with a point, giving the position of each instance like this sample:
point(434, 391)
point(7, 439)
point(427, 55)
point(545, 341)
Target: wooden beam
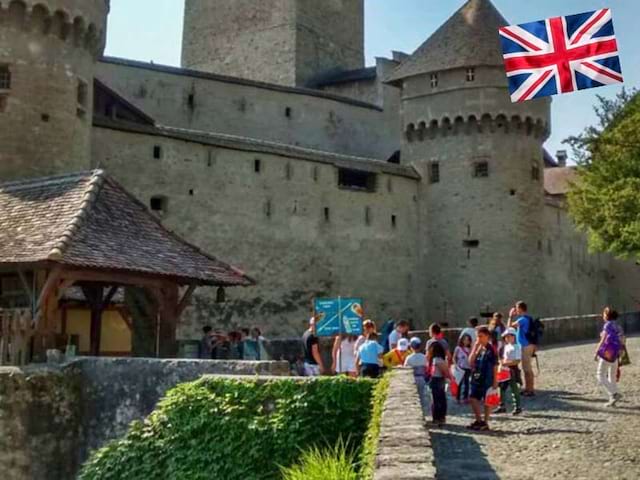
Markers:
point(113, 278)
point(49, 286)
point(64, 284)
point(94, 295)
point(110, 294)
point(25, 285)
point(185, 300)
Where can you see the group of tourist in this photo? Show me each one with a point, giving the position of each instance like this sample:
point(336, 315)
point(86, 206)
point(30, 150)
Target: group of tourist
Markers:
point(488, 363)
point(243, 344)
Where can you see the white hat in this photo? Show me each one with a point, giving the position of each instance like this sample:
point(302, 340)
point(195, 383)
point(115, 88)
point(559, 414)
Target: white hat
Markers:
point(510, 331)
point(403, 344)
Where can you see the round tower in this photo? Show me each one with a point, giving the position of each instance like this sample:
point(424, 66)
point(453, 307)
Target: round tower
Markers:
point(481, 159)
point(48, 50)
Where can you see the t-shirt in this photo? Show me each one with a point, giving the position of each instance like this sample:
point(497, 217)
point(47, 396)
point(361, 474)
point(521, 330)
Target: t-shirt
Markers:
point(309, 339)
point(461, 357)
point(394, 358)
point(524, 323)
point(442, 342)
point(486, 360)
point(436, 372)
point(418, 362)
point(369, 352)
point(394, 336)
point(471, 332)
point(512, 353)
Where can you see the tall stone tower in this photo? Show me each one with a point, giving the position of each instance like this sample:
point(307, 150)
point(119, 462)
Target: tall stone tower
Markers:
point(481, 158)
point(288, 42)
point(47, 53)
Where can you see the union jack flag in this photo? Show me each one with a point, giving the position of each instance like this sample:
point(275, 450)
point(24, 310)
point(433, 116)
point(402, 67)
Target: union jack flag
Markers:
point(561, 55)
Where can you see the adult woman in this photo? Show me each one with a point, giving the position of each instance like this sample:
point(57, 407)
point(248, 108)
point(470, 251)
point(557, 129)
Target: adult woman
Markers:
point(344, 355)
point(607, 354)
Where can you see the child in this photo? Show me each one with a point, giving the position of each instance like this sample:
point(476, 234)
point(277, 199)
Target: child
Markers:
point(461, 359)
point(439, 374)
point(510, 360)
point(607, 354)
point(437, 336)
point(484, 365)
point(369, 356)
point(417, 361)
point(398, 355)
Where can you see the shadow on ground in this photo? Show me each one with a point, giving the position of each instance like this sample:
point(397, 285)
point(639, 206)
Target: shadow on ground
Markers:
point(460, 457)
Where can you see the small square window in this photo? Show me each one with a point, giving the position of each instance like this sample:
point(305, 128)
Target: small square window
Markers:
point(5, 77)
point(434, 80)
point(481, 169)
point(471, 74)
point(434, 172)
point(157, 152)
point(159, 204)
point(257, 165)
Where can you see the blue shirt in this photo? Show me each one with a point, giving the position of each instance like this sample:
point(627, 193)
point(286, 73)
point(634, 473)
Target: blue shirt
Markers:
point(524, 323)
point(369, 352)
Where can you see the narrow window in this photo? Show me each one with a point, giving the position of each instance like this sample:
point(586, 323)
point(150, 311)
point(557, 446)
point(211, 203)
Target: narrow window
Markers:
point(481, 169)
point(288, 171)
point(257, 165)
point(315, 174)
point(434, 172)
point(471, 74)
point(357, 180)
point(268, 209)
point(434, 80)
point(157, 152)
point(159, 204)
point(5, 77)
point(367, 216)
point(326, 214)
point(221, 295)
point(191, 192)
point(83, 97)
point(394, 221)
point(287, 112)
point(3, 103)
point(191, 101)
point(535, 173)
point(549, 247)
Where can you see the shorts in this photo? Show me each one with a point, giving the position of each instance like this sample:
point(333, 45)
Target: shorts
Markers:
point(370, 370)
point(479, 391)
point(311, 370)
point(527, 358)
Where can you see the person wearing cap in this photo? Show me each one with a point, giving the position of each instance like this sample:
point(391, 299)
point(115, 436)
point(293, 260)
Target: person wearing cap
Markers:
point(418, 360)
point(510, 359)
point(313, 366)
point(398, 355)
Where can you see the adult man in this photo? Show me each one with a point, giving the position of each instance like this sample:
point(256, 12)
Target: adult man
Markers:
point(401, 331)
point(205, 350)
point(313, 366)
point(520, 320)
point(470, 330)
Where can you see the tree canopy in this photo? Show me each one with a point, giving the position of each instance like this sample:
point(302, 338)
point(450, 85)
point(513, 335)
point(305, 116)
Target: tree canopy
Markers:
point(605, 200)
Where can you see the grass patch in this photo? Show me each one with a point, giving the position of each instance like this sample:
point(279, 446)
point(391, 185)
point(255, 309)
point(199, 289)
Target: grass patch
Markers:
point(370, 447)
point(336, 463)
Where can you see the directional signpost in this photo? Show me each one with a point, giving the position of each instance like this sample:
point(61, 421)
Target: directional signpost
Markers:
point(335, 316)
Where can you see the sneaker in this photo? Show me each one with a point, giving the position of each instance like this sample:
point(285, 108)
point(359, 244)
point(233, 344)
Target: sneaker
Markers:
point(617, 396)
point(528, 394)
point(500, 410)
point(483, 427)
point(611, 403)
point(516, 412)
point(474, 425)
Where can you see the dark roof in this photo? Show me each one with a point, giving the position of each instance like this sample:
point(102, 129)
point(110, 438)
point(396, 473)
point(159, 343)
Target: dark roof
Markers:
point(238, 81)
point(248, 144)
point(557, 181)
point(106, 97)
point(469, 38)
point(549, 160)
point(346, 76)
point(87, 220)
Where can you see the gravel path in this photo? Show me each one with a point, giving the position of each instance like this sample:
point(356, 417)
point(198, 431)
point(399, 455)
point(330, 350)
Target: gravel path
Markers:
point(565, 432)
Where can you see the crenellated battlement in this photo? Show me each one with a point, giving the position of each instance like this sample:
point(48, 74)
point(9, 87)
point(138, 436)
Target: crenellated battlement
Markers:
point(79, 22)
point(476, 124)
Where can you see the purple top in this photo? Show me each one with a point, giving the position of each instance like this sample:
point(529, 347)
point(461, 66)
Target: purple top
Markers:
point(612, 345)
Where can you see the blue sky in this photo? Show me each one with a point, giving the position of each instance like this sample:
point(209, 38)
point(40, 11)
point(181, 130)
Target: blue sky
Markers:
point(152, 30)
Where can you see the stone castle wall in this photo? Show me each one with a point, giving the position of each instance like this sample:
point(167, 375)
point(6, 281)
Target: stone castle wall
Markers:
point(273, 224)
point(219, 104)
point(49, 48)
point(287, 42)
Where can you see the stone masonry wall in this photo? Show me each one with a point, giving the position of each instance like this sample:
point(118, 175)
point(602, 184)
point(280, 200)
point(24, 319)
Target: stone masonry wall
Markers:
point(272, 224)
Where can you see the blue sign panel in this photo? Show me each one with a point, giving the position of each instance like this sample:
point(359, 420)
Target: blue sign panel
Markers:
point(338, 315)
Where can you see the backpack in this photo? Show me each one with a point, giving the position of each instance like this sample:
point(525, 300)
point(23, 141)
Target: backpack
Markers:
point(536, 331)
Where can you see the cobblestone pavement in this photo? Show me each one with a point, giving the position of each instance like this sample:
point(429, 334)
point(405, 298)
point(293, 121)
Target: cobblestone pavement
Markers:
point(565, 432)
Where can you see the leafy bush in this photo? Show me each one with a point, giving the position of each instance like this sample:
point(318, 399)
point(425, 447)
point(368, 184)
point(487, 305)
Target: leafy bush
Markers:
point(232, 429)
point(336, 463)
point(370, 446)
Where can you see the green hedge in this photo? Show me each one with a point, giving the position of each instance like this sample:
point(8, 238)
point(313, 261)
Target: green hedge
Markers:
point(231, 429)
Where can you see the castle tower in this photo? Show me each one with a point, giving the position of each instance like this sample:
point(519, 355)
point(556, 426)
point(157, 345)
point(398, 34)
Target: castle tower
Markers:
point(481, 159)
point(288, 42)
point(47, 54)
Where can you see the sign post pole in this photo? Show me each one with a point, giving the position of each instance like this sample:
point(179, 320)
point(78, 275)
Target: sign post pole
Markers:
point(340, 334)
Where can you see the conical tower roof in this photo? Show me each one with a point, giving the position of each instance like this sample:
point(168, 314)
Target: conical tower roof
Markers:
point(469, 38)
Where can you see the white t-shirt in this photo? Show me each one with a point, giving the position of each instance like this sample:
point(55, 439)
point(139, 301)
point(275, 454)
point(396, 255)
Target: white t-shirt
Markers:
point(394, 336)
point(512, 353)
point(437, 373)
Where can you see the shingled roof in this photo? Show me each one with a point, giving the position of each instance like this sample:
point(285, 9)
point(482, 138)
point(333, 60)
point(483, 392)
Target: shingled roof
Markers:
point(557, 181)
point(469, 38)
point(87, 220)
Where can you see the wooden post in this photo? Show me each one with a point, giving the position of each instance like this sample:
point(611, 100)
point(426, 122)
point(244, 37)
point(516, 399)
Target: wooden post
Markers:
point(94, 294)
point(168, 320)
